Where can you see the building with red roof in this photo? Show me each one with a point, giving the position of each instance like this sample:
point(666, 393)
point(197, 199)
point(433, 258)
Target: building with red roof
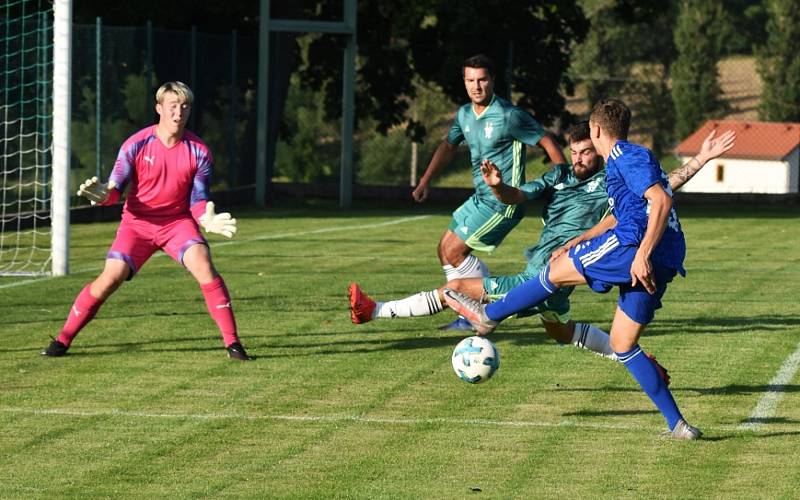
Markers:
point(765, 159)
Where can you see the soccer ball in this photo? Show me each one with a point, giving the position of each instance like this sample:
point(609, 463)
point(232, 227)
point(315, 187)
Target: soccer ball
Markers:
point(475, 359)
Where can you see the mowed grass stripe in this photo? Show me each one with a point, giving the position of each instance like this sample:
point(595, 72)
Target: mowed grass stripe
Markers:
point(331, 409)
point(241, 241)
point(359, 418)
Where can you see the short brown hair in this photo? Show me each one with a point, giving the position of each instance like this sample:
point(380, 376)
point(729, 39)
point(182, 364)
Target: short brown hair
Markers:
point(613, 116)
point(479, 61)
point(578, 132)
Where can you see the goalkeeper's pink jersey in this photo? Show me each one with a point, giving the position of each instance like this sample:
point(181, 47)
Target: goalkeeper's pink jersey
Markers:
point(165, 182)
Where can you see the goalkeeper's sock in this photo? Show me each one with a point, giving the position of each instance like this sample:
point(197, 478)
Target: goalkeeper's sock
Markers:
point(82, 311)
point(524, 296)
point(652, 383)
point(471, 267)
point(590, 337)
point(420, 304)
point(218, 301)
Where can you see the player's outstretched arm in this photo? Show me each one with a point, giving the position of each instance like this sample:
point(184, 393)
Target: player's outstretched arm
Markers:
point(553, 149)
point(502, 191)
point(442, 156)
point(711, 148)
point(95, 191)
point(222, 223)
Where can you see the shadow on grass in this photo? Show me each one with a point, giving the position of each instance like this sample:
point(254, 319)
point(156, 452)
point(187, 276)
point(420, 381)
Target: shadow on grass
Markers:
point(738, 389)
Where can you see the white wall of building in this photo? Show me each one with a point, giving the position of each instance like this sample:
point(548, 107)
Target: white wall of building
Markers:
point(747, 176)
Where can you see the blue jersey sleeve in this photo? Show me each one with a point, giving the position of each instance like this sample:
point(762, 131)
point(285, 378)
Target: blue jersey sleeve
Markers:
point(639, 169)
point(544, 184)
point(523, 127)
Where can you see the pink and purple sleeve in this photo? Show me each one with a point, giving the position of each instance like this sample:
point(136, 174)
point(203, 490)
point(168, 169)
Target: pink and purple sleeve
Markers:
point(202, 181)
point(123, 166)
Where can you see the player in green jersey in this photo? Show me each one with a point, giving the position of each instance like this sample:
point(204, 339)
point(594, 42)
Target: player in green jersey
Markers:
point(575, 200)
point(495, 130)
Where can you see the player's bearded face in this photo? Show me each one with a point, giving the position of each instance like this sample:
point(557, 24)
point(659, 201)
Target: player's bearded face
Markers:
point(585, 160)
point(173, 113)
point(479, 84)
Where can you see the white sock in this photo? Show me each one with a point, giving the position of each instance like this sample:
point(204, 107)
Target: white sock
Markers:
point(472, 267)
point(420, 304)
point(590, 337)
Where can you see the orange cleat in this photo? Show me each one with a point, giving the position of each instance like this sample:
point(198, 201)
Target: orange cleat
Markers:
point(361, 306)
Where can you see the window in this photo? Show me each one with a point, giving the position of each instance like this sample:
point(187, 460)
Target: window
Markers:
point(720, 172)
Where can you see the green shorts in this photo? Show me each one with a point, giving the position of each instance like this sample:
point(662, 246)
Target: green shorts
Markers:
point(553, 310)
point(480, 226)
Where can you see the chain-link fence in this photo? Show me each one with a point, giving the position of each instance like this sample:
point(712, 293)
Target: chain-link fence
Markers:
point(117, 69)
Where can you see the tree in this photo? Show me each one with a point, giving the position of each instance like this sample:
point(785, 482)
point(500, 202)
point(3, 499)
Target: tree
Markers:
point(627, 54)
point(779, 64)
point(397, 40)
point(695, 91)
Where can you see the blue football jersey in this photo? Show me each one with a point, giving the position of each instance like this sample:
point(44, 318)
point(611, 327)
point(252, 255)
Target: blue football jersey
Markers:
point(630, 171)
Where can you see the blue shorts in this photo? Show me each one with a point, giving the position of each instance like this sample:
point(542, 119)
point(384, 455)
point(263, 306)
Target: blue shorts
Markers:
point(604, 262)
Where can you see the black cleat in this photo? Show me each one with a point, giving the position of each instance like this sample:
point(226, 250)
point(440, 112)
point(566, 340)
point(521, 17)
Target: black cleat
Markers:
point(236, 351)
point(55, 349)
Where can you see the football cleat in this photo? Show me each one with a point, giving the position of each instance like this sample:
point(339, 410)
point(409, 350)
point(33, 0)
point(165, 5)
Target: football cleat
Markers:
point(55, 349)
point(236, 351)
point(684, 431)
point(361, 306)
point(473, 310)
point(661, 370)
point(459, 324)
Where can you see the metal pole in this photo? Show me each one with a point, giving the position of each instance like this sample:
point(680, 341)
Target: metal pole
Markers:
point(193, 73)
point(348, 103)
point(98, 106)
point(62, 76)
point(262, 107)
point(509, 69)
point(148, 72)
point(233, 111)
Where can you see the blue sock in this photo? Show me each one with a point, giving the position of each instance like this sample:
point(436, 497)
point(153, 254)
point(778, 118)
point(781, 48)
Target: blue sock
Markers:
point(521, 297)
point(646, 374)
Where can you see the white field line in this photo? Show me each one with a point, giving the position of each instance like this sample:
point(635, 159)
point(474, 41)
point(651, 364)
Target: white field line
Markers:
point(339, 418)
point(241, 241)
point(766, 406)
point(312, 418)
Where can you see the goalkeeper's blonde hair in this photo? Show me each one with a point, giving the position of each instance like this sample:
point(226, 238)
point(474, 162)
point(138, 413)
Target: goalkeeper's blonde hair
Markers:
point(178, 88)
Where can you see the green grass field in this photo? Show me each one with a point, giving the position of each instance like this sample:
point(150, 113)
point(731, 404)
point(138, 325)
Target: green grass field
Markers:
point(146, 404)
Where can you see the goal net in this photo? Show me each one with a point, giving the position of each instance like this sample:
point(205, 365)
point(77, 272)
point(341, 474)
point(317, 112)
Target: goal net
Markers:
point(26, 140)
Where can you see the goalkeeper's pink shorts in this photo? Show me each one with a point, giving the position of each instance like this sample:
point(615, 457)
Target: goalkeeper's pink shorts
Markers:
point(137, 240)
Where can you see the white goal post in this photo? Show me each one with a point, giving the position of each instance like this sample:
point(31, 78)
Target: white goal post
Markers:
point(35, 95)
point(62, 112)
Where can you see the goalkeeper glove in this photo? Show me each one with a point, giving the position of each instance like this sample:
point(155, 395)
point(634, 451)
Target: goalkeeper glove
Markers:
point(213, 222)
point(95, 191)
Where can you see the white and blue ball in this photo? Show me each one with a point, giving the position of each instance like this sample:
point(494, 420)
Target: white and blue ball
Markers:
point(475, 359)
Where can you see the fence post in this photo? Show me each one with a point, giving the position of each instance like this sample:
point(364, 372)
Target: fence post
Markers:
point(233, 110)
point(193, 73)
point(148, 71)
point(98, 107)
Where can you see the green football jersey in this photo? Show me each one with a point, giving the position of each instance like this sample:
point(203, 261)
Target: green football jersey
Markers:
point(571, 207)
point(498, 134)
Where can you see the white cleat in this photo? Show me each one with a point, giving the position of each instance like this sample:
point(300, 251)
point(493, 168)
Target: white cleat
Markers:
point(473, 310)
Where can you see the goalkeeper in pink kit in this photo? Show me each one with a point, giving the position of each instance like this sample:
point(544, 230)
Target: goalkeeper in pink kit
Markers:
point(167, 169)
